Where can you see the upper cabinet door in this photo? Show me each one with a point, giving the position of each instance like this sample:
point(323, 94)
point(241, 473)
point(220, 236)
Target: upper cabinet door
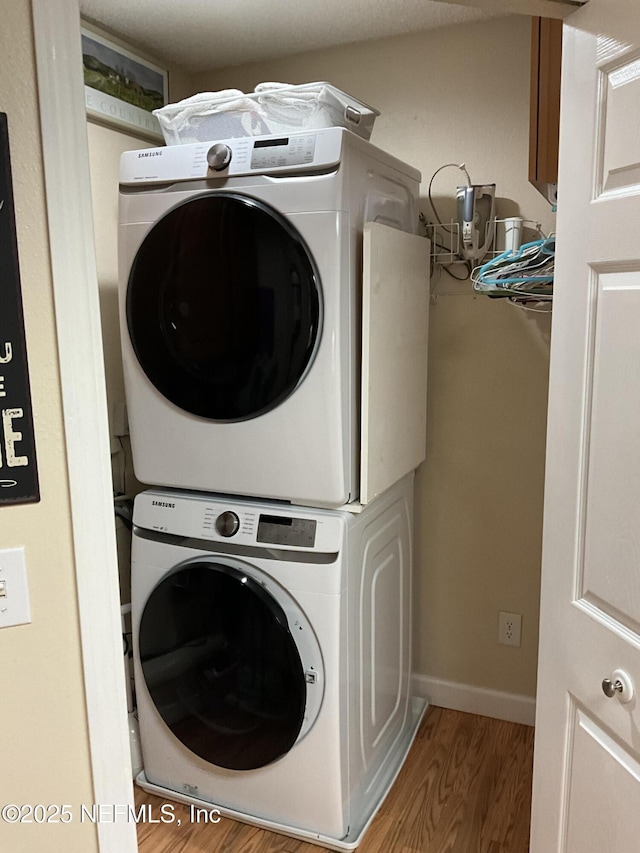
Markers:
point(586, 796)
point(544, 104)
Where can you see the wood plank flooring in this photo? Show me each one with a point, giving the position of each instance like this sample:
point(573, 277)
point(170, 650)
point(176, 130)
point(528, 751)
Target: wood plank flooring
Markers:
point(465, 788)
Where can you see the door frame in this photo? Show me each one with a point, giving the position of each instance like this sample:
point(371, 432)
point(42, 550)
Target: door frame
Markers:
point(70, 218)
point(65, 154)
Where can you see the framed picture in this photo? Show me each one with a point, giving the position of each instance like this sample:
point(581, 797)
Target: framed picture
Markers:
point(18, 466)
point(120, 88)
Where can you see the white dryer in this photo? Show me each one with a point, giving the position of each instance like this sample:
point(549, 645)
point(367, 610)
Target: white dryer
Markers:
point(241, 290)
point(272, 654)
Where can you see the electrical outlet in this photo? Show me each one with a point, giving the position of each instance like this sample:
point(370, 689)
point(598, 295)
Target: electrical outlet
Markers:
point(509, 628)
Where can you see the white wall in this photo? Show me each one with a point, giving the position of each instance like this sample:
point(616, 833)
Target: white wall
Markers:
point(454, 95)
point(45, 752)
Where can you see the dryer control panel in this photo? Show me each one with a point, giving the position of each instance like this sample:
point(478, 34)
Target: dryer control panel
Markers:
point(223, 158)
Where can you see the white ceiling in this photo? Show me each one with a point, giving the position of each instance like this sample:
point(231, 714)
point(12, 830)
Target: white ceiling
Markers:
point(206, 34)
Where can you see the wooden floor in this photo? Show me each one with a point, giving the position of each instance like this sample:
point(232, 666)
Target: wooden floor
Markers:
point(465, 788)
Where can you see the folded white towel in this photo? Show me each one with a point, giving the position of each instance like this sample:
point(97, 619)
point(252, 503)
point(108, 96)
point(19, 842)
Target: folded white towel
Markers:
point(210, 97)
point(285, 93)
point(290, 106)
point(271, 87)
point(175, 118)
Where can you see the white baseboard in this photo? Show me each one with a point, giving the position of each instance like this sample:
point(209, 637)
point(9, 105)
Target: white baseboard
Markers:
point(476, 700)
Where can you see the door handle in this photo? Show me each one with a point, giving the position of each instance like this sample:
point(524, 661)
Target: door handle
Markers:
point(610, 688)
point(619, 685)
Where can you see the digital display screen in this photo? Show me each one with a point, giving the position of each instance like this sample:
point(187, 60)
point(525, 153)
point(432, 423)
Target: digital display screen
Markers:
point(283, 530)
point(276, 519)
point(270, 143)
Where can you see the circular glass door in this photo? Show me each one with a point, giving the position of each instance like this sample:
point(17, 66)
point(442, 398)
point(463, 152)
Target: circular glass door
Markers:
point(223, 307)
point(221, 666)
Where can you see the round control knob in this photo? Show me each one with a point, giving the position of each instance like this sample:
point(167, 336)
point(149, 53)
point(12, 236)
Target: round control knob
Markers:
point(227, 523)
point(219, 156)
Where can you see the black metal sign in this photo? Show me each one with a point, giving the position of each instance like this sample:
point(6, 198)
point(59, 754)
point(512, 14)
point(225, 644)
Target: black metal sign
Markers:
point(18, 469)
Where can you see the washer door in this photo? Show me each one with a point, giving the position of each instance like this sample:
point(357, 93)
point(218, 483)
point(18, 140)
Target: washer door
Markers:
point(223, 307)
point(222, 667)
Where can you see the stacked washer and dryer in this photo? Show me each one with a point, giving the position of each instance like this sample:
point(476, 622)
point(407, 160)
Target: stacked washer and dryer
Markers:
point(271, 589)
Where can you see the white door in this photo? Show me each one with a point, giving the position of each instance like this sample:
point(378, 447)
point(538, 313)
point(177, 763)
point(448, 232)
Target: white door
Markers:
point(587, 757)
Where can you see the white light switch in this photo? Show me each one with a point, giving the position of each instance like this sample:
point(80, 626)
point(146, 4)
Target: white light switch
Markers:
point(15, 608)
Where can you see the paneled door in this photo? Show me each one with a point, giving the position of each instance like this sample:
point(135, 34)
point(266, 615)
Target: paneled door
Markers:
point(587, 757)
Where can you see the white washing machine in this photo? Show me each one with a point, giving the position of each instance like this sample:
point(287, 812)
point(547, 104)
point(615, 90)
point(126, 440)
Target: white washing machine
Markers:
point(272, 653)
point(240, 284)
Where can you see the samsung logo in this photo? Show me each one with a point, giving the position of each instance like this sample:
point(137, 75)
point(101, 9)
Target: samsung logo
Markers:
point(150, 154)
point(163, 503)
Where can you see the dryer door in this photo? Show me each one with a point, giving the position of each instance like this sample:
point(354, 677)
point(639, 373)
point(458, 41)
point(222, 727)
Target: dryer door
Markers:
point(222, 667)
point(223, 307)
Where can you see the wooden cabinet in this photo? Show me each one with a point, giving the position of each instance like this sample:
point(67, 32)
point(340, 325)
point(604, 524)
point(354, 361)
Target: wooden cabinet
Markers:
point(544, 130)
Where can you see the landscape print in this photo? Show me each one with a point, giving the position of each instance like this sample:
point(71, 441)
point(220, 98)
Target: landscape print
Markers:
point(114, 72)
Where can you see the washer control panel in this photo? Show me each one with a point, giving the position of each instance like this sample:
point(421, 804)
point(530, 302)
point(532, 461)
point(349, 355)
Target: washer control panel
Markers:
point(246, 523)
